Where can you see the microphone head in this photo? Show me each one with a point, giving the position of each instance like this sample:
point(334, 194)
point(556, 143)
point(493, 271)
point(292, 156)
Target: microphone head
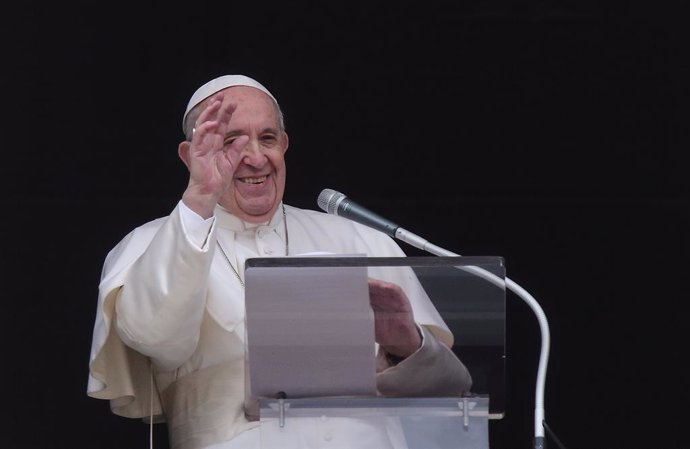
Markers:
point(329, 199)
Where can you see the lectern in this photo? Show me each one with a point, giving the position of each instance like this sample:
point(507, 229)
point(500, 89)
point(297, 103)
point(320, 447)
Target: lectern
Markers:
point(311, 355)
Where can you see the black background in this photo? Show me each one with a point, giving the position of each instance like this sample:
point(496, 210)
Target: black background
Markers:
point(550, 133)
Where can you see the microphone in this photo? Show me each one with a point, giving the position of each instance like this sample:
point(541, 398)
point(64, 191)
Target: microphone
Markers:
point(335, 203)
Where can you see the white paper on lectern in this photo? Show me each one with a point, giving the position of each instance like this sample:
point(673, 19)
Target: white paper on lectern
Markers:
point(310, 331)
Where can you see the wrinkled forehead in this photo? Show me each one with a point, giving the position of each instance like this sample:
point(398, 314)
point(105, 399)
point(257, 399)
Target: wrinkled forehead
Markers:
point(218, 84)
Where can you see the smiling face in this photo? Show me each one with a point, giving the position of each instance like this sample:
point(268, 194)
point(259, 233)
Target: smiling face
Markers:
point(259, 180)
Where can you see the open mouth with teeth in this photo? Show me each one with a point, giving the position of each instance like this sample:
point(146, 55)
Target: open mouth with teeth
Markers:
point(257, 180)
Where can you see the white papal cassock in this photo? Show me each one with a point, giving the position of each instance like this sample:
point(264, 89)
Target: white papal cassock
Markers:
point(170, 310)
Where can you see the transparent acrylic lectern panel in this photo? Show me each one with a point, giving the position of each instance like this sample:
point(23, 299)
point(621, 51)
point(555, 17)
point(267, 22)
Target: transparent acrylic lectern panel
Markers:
point(310, 328)
point(472, 303)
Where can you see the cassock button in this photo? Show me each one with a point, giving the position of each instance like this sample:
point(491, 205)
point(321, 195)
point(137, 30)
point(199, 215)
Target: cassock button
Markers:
point(268, 251)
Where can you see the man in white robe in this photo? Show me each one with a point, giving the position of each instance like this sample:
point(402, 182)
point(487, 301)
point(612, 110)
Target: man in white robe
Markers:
point(169, 334)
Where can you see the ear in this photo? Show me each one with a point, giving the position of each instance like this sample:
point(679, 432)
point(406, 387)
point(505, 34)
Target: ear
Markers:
point(183, 151)
point(287, 142)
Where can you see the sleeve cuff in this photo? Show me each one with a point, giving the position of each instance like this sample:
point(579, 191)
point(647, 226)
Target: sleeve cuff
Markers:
point(393, 359)
point(196, 228)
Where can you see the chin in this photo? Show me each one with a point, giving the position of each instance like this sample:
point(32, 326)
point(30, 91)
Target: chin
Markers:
point(261, 212)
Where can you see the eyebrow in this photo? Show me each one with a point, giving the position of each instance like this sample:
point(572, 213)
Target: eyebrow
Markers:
point(237, 132)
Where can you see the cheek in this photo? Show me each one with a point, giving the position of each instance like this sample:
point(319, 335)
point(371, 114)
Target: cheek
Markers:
point(277, 159)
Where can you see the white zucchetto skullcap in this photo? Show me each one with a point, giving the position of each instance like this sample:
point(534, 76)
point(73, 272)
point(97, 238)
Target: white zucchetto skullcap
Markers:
point(218, 84)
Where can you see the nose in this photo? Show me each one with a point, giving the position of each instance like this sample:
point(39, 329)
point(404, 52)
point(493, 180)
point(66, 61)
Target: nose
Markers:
point(252, 154)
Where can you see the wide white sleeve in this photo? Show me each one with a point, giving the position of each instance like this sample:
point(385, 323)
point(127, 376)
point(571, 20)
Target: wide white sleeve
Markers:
point(161, 303)
point(196, 227)
point(117, 372)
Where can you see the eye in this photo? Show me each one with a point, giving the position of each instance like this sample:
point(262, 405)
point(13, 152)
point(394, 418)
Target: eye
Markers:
point(269, 139)
point(229, 140)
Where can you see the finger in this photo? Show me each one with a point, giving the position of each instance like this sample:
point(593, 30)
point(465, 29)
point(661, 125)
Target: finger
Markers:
point(387, 296)
point(214, 119)
point(238, 144)
point(233, 152)
point(209, 112)
point(225, 112)
point(206, 138)
point(223, 117)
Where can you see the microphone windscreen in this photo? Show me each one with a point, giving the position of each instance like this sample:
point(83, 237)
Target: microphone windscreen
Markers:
point(328, 200)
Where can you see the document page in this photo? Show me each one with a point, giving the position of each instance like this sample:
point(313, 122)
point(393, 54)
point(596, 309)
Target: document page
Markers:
point(310, 331)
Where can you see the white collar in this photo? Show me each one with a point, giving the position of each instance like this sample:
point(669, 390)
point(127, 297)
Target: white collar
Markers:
point(233, 223)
